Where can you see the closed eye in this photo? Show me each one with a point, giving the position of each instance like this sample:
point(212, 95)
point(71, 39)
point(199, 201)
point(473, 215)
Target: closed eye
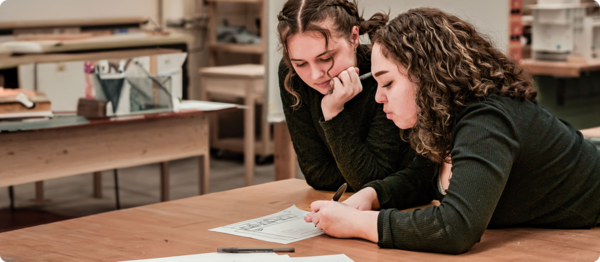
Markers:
point(388, 84)
point(301, 65)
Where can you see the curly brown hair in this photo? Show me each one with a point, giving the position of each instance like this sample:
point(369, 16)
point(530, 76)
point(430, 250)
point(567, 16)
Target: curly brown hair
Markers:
point(452, 66)
point(299, 16)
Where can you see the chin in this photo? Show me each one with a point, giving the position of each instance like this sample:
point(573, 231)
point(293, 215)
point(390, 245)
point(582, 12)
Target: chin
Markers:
point(403, 125)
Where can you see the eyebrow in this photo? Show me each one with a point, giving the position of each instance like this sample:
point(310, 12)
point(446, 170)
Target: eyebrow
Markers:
point(327, 51)
point(380, 73)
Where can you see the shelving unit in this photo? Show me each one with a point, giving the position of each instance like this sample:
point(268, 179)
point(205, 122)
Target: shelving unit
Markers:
point(215, 47)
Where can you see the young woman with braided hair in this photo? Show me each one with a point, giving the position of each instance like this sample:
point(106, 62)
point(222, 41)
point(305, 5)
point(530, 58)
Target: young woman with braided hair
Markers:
point(339, 132)
point(503, 160)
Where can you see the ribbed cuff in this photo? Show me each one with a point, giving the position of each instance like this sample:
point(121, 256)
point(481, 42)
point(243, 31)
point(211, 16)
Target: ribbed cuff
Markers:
point(384, 229)
point(337, 124)
point(380, 192)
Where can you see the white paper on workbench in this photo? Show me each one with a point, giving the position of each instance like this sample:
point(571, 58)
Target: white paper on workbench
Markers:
point(331, 258)
point(282, 227)
point(205, 105)
point(218, 257)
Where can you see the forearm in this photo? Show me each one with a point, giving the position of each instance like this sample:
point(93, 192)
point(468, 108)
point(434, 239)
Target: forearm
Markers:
point(406, 188)
point(367, 225)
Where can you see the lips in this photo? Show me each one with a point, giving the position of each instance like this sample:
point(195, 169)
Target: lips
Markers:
point(323, 84)
point(388, 114)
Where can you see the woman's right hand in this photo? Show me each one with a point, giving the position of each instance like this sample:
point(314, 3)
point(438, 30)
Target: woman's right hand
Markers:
point(365, 199)
point(345, 87)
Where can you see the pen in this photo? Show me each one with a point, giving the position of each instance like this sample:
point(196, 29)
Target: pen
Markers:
point(362, 77)
point(339, 192)
point(254, 250)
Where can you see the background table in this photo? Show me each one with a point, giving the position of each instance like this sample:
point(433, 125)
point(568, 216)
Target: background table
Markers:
point(560, 70)
point(73, 145)
point(181, 228)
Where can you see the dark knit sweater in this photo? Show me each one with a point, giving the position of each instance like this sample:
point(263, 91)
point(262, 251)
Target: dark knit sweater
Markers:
point(514, 164)
point(357, 146)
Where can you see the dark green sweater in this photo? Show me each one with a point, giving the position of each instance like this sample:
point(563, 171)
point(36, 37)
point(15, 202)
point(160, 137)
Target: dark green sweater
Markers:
point(357, 146)
point(514, 164)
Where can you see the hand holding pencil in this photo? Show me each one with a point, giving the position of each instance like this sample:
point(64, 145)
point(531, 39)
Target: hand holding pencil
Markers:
point(345, 87)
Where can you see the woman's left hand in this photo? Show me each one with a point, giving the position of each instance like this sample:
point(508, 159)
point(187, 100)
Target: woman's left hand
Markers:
point(342, 221)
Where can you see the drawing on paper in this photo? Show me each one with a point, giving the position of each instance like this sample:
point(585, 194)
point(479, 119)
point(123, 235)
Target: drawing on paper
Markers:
point(283, 227)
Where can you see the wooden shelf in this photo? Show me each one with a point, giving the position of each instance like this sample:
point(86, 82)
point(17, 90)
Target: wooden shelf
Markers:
point(237, 48)
point(74, 22)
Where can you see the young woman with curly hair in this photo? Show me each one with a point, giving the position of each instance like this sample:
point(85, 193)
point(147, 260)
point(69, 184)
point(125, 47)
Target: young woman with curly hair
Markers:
point(503, 160)
point(339, 132)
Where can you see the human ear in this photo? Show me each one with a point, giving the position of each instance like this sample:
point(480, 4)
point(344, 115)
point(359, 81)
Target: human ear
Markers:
point(355, 36)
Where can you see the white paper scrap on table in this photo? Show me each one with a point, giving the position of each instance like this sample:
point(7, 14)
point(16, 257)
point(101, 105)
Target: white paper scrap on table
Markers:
point(331, 258)
point(205, 105)
point(282, 227)
point(218, 257)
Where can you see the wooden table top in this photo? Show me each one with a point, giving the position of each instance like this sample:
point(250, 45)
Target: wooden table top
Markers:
point(181, 228)
point(70, 121)
point(14, 61)
point(559, 69)
point(100, 42)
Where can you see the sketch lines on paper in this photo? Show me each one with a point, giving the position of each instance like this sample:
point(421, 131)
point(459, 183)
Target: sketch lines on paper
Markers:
point(268, 227)
point(282, 227)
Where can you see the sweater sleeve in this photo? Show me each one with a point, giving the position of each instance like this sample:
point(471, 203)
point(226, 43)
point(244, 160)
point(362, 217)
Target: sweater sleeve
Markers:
point(485, 147)
point(317, 164)
point(362, 161)
point(409, 187)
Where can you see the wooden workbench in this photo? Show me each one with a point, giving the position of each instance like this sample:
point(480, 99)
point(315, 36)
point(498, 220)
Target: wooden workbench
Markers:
point(181, 228)
point(65, 146)
point(560, 70)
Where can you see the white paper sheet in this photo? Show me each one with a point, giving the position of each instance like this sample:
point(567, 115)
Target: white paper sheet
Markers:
point(331, 258)
point(282, 227)
point(220, 257)
point(205, 105)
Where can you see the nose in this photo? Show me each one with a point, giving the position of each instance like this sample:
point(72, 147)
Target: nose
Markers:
point(380, 96)
point(316, 72)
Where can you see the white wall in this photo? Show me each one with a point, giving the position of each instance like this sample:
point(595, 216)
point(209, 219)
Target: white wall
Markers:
point(489, 16)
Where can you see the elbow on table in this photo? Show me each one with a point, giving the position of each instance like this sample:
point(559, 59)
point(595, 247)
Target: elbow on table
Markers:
point(458, 245)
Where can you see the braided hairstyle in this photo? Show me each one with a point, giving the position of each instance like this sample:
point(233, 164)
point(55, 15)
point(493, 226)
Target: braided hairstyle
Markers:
point(299, 16)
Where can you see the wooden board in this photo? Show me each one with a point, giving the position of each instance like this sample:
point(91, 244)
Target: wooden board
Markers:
point(10, 104)
point(73, 22)
point(105, 42)
point(14, 61)
point(559, 69)
point(181, 228)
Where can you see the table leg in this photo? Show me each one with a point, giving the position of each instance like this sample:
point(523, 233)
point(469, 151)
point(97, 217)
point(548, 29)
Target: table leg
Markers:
point(249, 137)
point(116, 175)
point(204, 173)
point(97, 184)
point(164, 181)
point(284, 155)
point(11, 196)
point(561, 92)
point(39, 191)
